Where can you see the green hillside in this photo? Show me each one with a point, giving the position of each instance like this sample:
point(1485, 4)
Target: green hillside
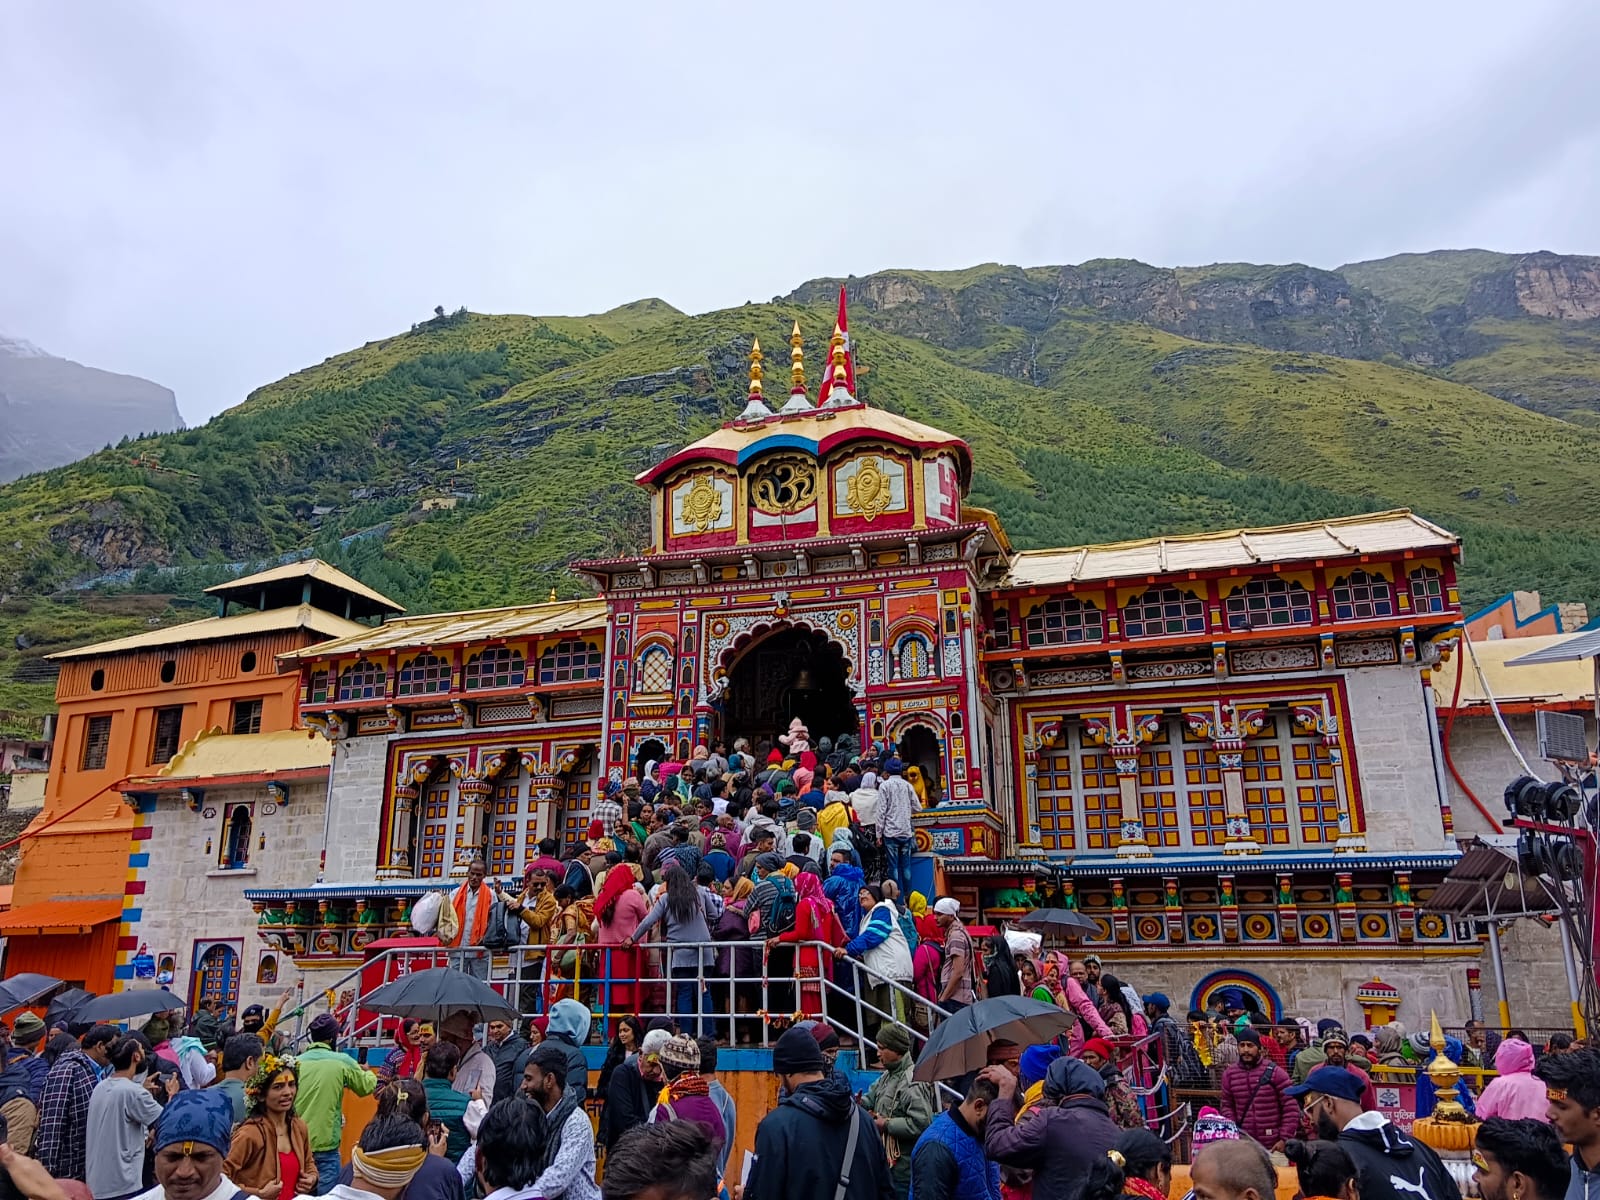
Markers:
point(1090, 420)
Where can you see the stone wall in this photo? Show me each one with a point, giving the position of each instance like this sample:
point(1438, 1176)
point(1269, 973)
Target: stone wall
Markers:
point(187, 897)
point(355, 821)
point(1487, 764)
point(1394, 753)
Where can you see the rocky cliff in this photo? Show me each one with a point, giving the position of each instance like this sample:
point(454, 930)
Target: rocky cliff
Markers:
point(55, 411)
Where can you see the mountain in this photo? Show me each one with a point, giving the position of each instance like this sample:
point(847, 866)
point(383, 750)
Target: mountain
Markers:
point(466, 461)
point(55, 411)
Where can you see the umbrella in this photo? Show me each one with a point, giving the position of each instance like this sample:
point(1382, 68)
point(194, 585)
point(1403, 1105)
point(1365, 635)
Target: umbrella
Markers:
point(25, 989)
point(962, 1040)
point(1052, 920)
point(438, 992)
point(120, 1006)
point(64, 1008)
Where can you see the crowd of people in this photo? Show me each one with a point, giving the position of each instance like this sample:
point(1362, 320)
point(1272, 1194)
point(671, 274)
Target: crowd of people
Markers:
point(802, 865)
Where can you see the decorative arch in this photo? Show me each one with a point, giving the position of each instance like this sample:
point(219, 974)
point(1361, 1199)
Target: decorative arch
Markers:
point(1253, 987)
point(933, 719)
point(653, 666)
point(915, 656)
point(728, 638)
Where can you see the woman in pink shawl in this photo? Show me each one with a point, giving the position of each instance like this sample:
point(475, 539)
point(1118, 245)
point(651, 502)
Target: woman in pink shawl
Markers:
point(1072, 997)
point(814, 921)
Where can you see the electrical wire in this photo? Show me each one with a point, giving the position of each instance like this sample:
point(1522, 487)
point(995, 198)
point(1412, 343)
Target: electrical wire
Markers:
point(25, 835)
point(1494, 707)
point(1444, 745)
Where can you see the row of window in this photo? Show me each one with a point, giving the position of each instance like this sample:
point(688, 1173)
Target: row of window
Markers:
point(1260, 604)
point(429, 674)
point(166, 733)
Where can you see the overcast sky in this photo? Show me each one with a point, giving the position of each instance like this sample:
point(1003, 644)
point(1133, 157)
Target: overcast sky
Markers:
point(213, 195)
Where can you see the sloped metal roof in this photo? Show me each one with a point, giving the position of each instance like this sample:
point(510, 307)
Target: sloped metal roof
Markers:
point(449, 629)
point(211, 629)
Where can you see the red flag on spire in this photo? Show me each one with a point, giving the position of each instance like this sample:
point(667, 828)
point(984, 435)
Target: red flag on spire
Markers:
point(842, 324)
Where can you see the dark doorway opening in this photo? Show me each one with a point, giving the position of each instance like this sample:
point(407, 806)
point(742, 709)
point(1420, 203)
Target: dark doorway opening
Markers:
point(791, 673)
point(919, 747)
point(650, 751)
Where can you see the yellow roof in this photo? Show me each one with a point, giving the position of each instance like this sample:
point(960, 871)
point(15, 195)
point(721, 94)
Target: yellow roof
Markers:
point(457, 628)
point(814, 431)
point(1545, 683)
point(310, 568)
point(211, 629)
point(1340, 537)
point(212, 754)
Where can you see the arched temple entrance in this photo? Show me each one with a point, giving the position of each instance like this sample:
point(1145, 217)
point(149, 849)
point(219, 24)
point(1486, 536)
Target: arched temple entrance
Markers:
point(790, 673)
point(919, 747)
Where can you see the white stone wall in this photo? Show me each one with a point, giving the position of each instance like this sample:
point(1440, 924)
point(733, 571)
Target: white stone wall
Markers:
point(354, 824)
point(1393, 748)
point(188, 898)
point(1487, 764)
point(1536, 980)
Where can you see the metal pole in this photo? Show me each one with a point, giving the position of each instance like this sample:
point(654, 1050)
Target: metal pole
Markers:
point(1499, 976)
point(1571, 966)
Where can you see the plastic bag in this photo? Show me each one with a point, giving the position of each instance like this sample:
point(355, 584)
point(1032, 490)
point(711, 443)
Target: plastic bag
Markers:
point(1023, 942)
point(449, 924)
point(425, 913)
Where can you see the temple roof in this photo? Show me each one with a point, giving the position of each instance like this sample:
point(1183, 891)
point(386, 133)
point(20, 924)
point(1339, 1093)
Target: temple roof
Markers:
point(329, 588)
point(211, 629)
point(452, 629)
point(815, 431)
point(1341, 537)
point(212, 756)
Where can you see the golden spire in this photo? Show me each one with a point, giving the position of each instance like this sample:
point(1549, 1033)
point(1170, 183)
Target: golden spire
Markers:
point(839, 379)
point(797, 363)
point(552, 595)
point(755, 367)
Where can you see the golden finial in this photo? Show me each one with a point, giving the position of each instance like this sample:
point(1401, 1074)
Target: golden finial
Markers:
point(797, 363)
point(755, 367)
point(552, 595)
point(841, 377)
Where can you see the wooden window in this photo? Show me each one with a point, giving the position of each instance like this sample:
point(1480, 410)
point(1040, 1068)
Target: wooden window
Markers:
point(318, 689)
point(247, 716)
point(96, 743)
point(1427, 590)
point(363, 681)
point(236, 824)
point(424, 675)
point(1063, 622)
point(1361, 597)
point(569, 661)
point(1161, 612)
point(164, 743)
point(914, 657)
point(655, 671)
point(1266, 603)
point(497, 667)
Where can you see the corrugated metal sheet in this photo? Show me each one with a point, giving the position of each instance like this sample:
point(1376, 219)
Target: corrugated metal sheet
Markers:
point(60, 916)
point(86, 960)
point(1581, 645)
point(448, 629)
point(1372, 533)
point(212, 628)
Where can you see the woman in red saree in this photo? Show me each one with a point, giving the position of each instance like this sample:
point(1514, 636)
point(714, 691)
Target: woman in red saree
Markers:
point(814, 921)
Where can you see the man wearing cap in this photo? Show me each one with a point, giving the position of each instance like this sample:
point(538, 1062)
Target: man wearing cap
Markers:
point(1255, 1096)
point(1392, 1166)
point(191, 1140)
point(958, 971)
point(1119, 1097)
point(325, 1076)
point(569, 1146)
point(1336, 1053)
point(687, 1096)
point(897, 800)
point(901, 1107)
point(1313, 1055)
point(817, 1137)
point(22, 1082)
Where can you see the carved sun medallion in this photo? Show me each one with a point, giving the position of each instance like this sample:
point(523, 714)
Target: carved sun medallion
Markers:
point(702, 505)
point(868, 490)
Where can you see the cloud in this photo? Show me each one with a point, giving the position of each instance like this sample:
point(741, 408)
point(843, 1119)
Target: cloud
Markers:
point(213, 196)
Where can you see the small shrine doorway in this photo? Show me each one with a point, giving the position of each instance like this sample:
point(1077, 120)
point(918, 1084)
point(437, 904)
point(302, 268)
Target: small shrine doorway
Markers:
point(790, 673)
point(919, 747)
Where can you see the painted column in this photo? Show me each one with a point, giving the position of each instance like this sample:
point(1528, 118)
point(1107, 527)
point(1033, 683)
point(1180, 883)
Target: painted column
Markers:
point(544, 791)
point(397, 862)
point(1125, 734)
point(1475, 993)
point(1228, 724)
point(1288, 912)
point(1319, 719)
point(472, 796)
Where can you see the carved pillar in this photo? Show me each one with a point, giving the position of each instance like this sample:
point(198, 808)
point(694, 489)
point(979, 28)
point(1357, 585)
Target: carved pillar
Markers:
point(397, 862)
point(1318, 719)
point(1124, 734)
point(1120, 924)
point(472, 795)
point(544, 794)
point(1229, 725)
point(1475, 992)
point(1405, 910)
point(1227, 908)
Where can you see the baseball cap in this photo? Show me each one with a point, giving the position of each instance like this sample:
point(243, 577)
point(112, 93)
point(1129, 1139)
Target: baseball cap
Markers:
point(1330, 1081)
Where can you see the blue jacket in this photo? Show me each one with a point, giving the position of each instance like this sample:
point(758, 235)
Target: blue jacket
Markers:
point(875, 930)
point(843, 887)
point(948, 1163)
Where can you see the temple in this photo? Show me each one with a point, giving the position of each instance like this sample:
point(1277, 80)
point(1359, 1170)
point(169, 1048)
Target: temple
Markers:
point(1222, 748)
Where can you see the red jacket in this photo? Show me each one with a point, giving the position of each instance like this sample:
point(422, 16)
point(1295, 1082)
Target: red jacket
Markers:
point(1260, 1107)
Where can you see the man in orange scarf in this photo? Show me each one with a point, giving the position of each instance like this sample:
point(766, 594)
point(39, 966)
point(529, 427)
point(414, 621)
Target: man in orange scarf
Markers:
point(472, 902)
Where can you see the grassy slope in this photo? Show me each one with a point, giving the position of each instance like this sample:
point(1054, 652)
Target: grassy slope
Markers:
point(1425, 281)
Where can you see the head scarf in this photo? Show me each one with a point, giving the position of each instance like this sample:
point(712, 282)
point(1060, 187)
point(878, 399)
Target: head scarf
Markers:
point(612, 889)
point(742, 889)
point(917, 904)
point(1073, 1077)
point(808, 887)
point(391, 1168)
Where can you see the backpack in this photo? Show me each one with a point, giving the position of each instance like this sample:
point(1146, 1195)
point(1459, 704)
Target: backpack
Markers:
point(772, 906)
point(502, 929)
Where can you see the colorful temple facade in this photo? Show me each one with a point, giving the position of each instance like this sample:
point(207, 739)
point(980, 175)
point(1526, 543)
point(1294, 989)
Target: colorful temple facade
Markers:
point(1222, 748)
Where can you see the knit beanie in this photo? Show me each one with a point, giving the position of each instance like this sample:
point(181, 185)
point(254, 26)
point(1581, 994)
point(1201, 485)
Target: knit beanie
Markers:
point(682, 1052)
point(1212, 1126)
point(896, 1038)
point(797, 1053)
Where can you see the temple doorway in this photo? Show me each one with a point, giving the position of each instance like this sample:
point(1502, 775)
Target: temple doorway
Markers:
point(791, 673)
point(651, 750)
point(919, 747)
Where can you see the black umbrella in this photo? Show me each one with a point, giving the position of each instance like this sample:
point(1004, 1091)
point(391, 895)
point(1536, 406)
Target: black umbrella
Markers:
point(25, 989)
point(1048, 920)
point(438, 992)
point(962, 1040)
point(120, 1006)
point(64, 1008)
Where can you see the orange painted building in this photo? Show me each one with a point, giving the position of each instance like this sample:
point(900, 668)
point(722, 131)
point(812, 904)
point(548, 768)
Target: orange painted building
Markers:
point(126, 708)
